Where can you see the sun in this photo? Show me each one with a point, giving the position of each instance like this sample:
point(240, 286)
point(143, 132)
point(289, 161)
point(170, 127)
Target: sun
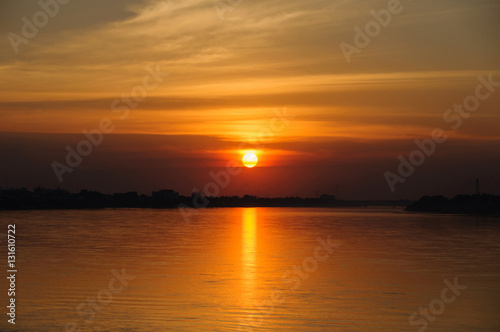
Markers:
point(250, 160)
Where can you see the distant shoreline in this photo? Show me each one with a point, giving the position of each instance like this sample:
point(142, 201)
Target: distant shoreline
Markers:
point(477, 204)
point(58, 199)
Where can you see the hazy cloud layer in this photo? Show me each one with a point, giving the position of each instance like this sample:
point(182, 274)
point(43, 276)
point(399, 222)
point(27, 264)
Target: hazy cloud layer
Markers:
point(227, 76)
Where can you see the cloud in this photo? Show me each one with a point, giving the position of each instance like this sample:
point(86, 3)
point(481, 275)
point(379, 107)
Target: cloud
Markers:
point(226, 77)
point(148, 162)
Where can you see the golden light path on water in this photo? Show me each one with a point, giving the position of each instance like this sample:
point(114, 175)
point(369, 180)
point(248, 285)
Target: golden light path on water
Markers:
point(248, 253)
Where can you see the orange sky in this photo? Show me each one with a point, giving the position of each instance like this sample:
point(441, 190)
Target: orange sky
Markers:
point(347, 122)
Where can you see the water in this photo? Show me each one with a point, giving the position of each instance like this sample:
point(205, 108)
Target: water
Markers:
point(233, 270)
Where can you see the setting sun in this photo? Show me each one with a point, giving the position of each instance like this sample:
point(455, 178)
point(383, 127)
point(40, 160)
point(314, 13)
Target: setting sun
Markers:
point(250, 160)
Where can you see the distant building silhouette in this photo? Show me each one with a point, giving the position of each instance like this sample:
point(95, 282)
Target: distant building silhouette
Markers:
point(126, 196)
point(165, 194)
point(326, 197)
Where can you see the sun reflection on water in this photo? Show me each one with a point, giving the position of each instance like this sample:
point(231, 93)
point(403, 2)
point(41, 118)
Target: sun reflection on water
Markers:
point(248, 253)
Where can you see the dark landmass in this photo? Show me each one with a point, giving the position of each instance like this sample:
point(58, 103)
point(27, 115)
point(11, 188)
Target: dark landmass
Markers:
point(42, 198)
point(481, 204)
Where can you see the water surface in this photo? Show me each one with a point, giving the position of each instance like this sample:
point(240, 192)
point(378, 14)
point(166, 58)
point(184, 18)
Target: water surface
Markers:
point(252, 270)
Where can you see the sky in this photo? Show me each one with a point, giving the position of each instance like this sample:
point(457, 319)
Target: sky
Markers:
point(187, 87)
